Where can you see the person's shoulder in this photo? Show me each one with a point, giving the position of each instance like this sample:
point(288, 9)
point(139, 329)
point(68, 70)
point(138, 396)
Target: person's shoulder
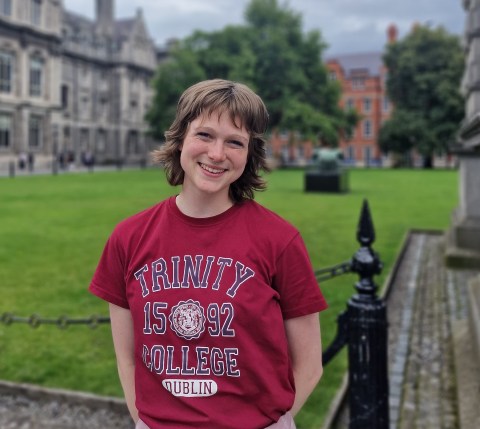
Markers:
point(136, 223)
point(267, 219)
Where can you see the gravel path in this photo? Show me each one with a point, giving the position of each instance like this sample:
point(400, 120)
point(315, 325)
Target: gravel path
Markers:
point(31, 407)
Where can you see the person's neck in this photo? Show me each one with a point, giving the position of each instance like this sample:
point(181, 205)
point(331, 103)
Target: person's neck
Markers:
point(200, 206)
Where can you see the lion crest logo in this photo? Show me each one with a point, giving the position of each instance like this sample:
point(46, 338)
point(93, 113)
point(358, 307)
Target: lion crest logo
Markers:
point(187, 319)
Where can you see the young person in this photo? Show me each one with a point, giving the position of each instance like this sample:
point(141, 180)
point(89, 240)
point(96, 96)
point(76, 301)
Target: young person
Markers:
point(213, 301)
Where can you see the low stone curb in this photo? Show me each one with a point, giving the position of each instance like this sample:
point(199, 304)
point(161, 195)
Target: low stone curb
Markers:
point(26, 406)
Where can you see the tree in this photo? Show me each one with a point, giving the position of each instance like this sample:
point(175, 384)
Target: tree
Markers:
point(172, 78)
point(271, 54)
point(424, 74)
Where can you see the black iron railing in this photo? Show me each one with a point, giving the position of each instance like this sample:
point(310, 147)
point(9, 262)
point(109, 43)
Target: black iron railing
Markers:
point(362, 327)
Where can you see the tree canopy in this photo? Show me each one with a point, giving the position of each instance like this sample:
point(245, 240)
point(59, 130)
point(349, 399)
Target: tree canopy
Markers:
point(424, 74)
point(272, 55)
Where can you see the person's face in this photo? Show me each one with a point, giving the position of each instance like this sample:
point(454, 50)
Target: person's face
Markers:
point(213, 154)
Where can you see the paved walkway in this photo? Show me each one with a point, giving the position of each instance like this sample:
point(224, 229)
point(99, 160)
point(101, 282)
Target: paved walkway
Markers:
point(428, 299)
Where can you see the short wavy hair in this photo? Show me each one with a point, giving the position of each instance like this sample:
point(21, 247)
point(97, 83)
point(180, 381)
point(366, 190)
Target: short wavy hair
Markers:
point(241, 104)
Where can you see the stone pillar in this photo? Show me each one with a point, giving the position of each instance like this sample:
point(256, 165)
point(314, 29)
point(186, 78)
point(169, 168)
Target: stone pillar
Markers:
point(463, 238)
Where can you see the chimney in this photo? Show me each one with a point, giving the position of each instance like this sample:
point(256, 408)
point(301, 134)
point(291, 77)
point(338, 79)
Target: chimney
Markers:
point(105, 17)
point(392, 33)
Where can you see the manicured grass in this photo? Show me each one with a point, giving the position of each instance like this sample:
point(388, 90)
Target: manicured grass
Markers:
point(53, 229)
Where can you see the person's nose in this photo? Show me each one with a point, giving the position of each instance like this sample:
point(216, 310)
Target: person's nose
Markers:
point(216, 151)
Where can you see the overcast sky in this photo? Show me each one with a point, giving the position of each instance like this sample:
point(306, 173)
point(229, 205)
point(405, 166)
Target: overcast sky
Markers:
point(347, 26)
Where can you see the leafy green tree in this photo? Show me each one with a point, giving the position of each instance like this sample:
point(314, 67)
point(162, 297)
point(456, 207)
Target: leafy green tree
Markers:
point(291, 76)
point(174, 76)
point(424, 74)
point(271, 54)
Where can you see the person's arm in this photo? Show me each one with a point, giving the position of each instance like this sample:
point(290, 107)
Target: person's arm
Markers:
point(122, 333)
point(305, 348)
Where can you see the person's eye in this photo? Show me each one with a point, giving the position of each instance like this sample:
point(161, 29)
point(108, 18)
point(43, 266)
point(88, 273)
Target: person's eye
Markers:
point(203, 135)
point(237, 143)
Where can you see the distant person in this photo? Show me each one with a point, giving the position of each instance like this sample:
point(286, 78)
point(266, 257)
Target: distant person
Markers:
point(61, 160)
point(22, 160)
point(88, 159)
point(31, 161)
point(71, 160)
point(213, 300)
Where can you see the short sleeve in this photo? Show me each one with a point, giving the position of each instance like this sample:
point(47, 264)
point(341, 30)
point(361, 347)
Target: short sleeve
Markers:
point(108, 282)
point(295, 281)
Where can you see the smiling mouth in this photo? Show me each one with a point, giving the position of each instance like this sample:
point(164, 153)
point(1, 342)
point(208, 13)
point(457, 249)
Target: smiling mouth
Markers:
point(211, 169)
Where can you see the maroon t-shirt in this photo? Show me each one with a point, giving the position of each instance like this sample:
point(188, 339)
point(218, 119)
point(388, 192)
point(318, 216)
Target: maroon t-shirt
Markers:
point(208, 298)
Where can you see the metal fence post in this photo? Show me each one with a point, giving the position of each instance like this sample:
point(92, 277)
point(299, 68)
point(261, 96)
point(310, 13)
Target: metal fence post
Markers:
point(367, 337)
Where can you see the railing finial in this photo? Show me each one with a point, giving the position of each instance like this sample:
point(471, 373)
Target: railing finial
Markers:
point(365, 229)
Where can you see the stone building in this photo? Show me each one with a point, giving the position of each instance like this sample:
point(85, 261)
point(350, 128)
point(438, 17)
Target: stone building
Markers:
point(70, 86)
point(464, 235)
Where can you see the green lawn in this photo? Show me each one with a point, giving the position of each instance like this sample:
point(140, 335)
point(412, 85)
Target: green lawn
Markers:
point(53, 229)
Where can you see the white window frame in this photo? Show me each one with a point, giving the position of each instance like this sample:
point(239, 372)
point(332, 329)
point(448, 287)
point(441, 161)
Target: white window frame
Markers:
point(5, 130)
point(36, 12)
point(6, 71)
point(35, 131)
point(367, 129)
point(36, 76)
point(358, 83)
point(367, 104)
point(6, 7)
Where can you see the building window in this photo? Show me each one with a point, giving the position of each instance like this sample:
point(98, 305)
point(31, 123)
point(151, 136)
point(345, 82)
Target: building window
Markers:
point(367, 155)
point(133, 111)
point(36, 12)
point(6, 7)
point(386, 104)
point(367, 128)
point(350, 153)
point(101, 144)
point(85, 107)
point(103, 106)
point(36, 75)
point(358, 83)
point(5, 130)
point(6, 68)
point(332, 75)
point(65, 97)
point(84, 139)
point(133, 143)
point(35, 132)
point(350, 104)
point(367, 104)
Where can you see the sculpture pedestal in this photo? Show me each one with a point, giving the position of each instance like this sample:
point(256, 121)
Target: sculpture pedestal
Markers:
point(326, 182)
point(463, 238)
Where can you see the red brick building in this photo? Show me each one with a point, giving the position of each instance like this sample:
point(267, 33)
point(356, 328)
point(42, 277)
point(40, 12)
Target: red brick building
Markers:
point(362, 77)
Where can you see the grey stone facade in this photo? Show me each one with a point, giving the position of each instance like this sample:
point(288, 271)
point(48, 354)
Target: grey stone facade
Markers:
point(464, 235)
point(71, 86)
